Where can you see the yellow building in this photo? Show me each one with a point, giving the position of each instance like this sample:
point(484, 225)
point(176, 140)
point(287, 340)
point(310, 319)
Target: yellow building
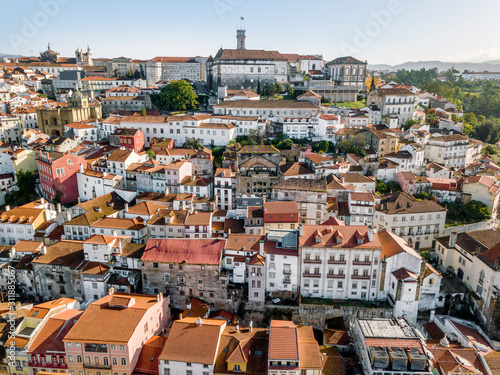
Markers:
point(51, 121)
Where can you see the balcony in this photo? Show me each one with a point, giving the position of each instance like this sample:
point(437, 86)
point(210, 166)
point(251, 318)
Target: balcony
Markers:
point(312, 261)
point(360, 277)
point(332, 276)
point(336, 262)
point(287, 272)
point(361, 263)
point(47, 364)
point(314, 275)
point(287, 281)
point(94, 348)
point(97, 367)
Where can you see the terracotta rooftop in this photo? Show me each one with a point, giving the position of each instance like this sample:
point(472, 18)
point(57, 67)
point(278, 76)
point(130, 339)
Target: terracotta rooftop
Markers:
point(283, 341)
point(189, 251)
point(202, 339)
point(93, 325)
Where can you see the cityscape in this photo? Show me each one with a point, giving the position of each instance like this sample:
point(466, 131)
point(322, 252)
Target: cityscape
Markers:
point(195, 205)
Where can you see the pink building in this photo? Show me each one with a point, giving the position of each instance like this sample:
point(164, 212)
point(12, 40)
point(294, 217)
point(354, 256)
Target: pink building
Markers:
point(57, 173)
point(109, 336)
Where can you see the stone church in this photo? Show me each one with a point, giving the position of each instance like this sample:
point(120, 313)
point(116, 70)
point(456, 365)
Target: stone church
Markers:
point(51, 121)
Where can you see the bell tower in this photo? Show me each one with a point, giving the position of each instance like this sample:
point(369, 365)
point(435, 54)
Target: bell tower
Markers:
point(240, 39)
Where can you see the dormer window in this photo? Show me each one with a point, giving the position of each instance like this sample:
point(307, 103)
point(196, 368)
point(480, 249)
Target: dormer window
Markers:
point(317, 239)
point(339, 240)
point(360, 241)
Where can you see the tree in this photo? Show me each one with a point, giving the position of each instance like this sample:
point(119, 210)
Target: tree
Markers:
point(393, 186)
point(408, 124)
point(193, 143)
point(423, 195)
point(321, 147)
point(488, 131)
point(491, 150)
point(26, 193)
point(476, 211)
point(151, 154)
point(259, 90)
point(255, 136)
point(143, 111)
point(176, 96)
point(115, 72)
point(381, 187)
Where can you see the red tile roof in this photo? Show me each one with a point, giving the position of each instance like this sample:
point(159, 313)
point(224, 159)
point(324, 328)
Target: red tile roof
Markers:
point(283, 340)
point(328, 236)
point(190, 251)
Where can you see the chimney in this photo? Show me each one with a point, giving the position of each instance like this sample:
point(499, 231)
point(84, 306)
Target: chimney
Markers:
point(68, 216)
point(44, 250)
point(120, 246)
point(433, 314)
point(159, 297)
point(237, 327)
point(7, 208)
point(301, 230)
point(370, 233)
point(111, 291)
point(167, 190)
point(180, 316)
point(251, 325)
point(42, 201)
point(453, 239)
point(156, 243)
point(199, 322)
point(188, 305)
point(59, 208)
point(126, 207)
point(115, 233)
point(261, 247)
point(79, 200)
point(81, 168)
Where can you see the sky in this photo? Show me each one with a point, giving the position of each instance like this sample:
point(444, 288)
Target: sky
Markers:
point(379, 31)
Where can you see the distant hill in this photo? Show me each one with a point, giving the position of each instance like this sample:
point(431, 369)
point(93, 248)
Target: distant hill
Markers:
point(491, 66)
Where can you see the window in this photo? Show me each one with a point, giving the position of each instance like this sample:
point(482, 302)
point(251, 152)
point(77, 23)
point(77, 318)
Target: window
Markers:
point(166, 371)
point(189, 372)
point(114, 361)
point(79, 359)
point(123, 361)
point(122, 348)
point(237, 368)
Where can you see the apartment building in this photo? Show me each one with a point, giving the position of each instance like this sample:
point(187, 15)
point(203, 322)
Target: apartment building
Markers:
point(418, 222)
point(95, 345)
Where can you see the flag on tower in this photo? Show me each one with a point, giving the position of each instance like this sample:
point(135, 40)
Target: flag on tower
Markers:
point(242, 19)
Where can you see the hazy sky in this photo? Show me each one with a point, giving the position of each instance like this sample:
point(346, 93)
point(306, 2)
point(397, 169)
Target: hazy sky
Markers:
point(380, 31)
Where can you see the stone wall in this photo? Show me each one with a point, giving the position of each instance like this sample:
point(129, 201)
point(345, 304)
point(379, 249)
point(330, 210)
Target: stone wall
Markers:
point(315, 315)
point(470, 227)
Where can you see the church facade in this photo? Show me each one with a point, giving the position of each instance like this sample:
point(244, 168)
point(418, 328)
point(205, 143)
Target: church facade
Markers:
point(51, 121)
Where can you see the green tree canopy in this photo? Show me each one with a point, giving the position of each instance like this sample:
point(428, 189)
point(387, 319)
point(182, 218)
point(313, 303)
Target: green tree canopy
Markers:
point(488, 131)
point(26, 193)
point(476, 211)
point(381, 187)
point(423, 195)
point(176, 96)
point(193, 144)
